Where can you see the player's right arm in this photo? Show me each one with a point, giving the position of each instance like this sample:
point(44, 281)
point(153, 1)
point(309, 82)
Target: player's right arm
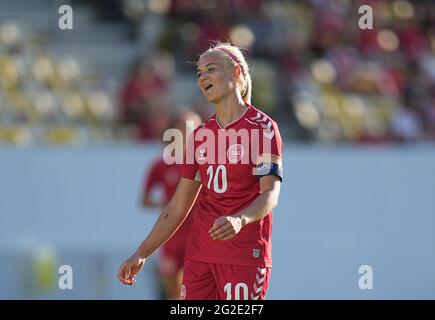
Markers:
point(170, 219)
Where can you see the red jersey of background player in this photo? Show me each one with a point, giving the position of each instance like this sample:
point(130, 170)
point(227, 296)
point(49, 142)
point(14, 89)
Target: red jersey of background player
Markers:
point(228, 188)
point(166, 176)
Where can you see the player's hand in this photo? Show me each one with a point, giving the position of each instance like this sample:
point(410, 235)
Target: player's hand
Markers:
point(129, 269)
point(225, 227)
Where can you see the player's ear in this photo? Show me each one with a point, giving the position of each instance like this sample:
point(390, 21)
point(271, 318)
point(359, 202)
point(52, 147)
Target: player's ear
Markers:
point(236, 72)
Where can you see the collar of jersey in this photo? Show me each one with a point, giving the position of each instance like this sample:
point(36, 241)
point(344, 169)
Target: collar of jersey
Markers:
point(234, 121)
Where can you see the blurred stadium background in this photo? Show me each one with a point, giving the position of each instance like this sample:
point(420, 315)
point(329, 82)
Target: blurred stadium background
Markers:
point(82, 113)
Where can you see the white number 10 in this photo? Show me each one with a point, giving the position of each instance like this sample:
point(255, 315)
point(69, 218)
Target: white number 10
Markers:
point(220, 170)
point(239, 287)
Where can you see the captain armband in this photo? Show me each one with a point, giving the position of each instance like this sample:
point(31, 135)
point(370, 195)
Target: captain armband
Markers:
point(268, 169)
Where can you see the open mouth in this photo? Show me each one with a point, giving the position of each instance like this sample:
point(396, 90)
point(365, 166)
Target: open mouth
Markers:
point(207, 87)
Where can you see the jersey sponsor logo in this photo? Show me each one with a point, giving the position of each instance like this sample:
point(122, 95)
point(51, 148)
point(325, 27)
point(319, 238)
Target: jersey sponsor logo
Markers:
point(235, 153)
point(202, 154)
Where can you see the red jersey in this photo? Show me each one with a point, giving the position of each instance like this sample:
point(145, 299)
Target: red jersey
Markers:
point(226, 169)
point(166, 177)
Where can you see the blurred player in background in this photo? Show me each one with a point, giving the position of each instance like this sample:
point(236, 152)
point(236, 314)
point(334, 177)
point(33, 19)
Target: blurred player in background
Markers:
point(159, 187)
point(229, 251)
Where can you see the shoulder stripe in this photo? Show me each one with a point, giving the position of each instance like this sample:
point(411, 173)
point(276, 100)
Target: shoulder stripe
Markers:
point(265, 122)
point(267, 126)
point(251, 122)
point(269, 135)
point(256, 117)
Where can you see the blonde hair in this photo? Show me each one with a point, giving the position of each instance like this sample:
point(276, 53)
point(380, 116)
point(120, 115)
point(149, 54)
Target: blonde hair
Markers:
point(234, 56)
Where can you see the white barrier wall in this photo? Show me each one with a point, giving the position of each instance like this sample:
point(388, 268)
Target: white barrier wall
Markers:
point(340, 208)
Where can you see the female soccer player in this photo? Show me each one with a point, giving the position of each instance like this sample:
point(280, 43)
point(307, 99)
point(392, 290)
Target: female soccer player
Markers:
point(166, 176)
point(233, 170)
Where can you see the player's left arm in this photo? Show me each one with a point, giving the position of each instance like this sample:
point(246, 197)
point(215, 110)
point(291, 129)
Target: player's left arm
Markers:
point(226, 227)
